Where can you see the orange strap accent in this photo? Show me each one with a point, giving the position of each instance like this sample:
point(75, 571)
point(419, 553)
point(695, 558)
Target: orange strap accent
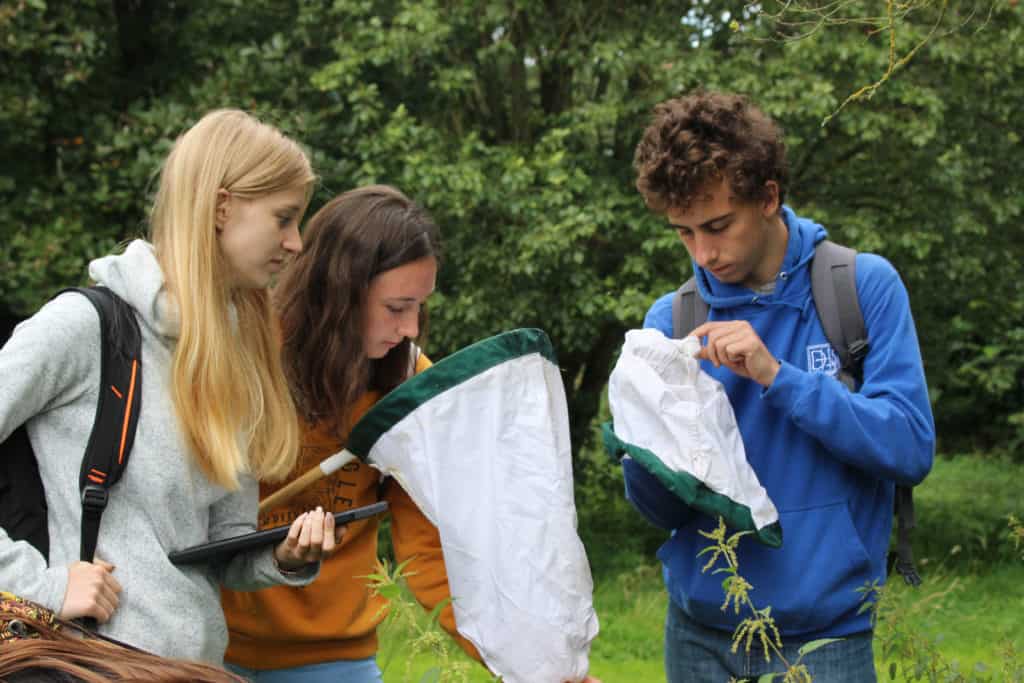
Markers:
point(95, 479)
point(127, 413)
point(116, 392)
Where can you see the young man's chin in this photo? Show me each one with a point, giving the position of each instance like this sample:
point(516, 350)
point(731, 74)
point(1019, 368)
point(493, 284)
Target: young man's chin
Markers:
point(727, 274)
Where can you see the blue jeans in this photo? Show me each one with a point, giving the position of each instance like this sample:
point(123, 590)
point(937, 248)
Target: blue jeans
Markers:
point(696, 654)
point(340, 671)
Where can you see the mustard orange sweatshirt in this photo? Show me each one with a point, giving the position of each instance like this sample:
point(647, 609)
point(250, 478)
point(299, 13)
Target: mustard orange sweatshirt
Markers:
point(336, 616)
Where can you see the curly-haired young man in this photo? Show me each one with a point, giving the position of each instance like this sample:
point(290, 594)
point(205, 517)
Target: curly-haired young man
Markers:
point(715, 166)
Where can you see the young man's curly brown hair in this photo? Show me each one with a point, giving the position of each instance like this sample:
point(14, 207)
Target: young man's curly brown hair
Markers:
point(705, 136)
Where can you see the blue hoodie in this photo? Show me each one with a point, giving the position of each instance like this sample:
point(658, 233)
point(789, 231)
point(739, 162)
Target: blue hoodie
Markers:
point(829, 458)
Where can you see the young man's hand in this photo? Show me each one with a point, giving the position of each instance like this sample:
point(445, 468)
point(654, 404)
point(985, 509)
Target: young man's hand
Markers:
point(92, 591)
point(311, 536)
point(735, 344)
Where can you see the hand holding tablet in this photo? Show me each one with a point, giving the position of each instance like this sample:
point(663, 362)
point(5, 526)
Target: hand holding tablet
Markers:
point(215, 551)
point(310, 536)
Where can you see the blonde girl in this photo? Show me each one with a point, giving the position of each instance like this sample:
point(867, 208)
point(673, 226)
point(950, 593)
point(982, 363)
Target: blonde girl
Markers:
point(216, 412)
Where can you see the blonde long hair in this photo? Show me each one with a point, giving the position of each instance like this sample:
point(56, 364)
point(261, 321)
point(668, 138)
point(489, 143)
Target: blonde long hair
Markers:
point(227, 383)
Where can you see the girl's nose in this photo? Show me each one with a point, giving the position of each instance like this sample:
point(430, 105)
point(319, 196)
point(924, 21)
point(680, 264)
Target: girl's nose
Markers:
point(292, 240)
point(410, 324)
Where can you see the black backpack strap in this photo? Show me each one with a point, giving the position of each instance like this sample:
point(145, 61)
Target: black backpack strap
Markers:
point(905, 521)
point(834, 289)
point(689, 310)
point(117, 410)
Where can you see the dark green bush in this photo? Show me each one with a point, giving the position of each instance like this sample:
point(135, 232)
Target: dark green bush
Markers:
point(515, 123)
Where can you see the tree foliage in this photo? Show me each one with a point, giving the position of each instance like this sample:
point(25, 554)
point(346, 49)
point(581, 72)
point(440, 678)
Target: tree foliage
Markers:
point(514, 122)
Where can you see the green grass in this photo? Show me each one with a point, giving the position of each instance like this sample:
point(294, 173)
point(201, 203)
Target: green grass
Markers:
point(631, 609)
point(961, 513)
point(970, 618)
point(969, 608)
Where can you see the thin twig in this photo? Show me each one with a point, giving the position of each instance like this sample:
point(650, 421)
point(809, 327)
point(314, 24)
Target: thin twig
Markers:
point(868, 91)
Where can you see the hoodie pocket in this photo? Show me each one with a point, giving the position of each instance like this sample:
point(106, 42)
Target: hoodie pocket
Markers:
point(810, 582)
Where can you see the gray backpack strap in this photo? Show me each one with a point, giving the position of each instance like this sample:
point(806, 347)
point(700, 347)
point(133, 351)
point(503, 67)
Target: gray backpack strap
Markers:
point(689, 310)
point(834, 290)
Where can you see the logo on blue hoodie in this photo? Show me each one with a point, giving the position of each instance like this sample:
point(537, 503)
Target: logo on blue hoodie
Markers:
point(822, 359)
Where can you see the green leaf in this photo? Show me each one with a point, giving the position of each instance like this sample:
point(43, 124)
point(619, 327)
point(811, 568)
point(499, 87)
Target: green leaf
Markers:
point(808, 648)
point(436, 612)
point(391, 591)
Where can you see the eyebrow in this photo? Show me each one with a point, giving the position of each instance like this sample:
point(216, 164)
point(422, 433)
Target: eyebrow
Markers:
point(706, 224)
point(291, 208)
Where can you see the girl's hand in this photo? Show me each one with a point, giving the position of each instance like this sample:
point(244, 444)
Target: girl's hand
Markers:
point(311, 536)
point(92, 591)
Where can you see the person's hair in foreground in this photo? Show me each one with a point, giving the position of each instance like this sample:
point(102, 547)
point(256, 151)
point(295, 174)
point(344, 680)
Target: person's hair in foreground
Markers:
point(321, 299)
point(73, 660)
point(36, 646)
point(220, 390)
point(696, 140)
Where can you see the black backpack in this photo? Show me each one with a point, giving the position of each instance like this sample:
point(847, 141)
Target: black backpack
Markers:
point(22, 502)
point(834, 290)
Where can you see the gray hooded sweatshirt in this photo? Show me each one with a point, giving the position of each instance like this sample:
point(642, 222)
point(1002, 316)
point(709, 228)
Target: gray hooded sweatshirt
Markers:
point(49, 378)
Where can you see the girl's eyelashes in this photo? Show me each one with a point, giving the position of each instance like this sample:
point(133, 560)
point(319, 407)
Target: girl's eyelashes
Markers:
point(398, 309)
point(285, 219)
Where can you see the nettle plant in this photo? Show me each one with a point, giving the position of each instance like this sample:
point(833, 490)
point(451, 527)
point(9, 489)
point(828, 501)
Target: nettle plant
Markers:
point(420, 635)
point(909, 655)
point(1016, 533)
point(760, 627)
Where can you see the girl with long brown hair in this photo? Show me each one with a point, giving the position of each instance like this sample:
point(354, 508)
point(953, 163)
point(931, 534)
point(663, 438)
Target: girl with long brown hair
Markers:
point(353, 318)
point(352, 312)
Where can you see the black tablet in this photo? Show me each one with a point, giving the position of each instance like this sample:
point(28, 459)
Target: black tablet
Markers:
point(219, 550)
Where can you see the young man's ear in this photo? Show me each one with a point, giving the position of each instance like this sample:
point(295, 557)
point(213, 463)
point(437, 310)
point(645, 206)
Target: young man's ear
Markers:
point(223, 208)
point(770, 205)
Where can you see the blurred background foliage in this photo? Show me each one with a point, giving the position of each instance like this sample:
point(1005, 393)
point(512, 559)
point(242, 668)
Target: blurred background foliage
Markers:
point(515, 121)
